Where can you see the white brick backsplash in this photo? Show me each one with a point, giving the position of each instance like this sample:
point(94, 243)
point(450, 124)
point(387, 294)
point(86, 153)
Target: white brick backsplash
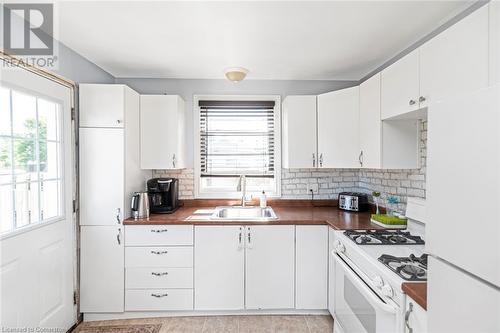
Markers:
point(294, 182)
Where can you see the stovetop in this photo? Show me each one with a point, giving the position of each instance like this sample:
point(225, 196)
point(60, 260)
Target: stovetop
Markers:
point(410, 268)
point(383, 237)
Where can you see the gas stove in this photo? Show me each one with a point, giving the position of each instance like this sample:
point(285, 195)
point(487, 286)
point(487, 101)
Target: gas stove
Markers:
point(411, 268)
point(383, 237)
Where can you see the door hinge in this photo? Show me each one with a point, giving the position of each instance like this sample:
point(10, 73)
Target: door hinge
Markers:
point(75, 297)
point(73, 113)
point(74, 206)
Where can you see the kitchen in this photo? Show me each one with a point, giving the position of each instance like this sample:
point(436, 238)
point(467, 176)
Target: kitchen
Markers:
point(250, 167)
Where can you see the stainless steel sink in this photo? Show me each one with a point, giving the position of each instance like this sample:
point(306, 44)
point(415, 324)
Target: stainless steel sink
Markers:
point(239, 213)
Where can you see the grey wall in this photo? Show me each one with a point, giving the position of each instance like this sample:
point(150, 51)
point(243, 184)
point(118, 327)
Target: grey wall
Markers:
point(76, 68)
point(189, 87)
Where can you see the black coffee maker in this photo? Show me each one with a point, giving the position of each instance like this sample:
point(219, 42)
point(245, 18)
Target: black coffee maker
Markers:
point(163, 195)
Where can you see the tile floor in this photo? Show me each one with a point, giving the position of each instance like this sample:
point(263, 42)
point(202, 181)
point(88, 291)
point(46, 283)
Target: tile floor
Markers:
point(231, 324)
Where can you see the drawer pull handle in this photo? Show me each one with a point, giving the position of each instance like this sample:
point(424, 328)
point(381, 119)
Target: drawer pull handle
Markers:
point(159, 295)
point(159, 230)
point(159, 252)
point(159, 273)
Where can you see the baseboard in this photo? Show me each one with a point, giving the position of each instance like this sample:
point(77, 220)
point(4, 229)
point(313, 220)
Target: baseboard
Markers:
point(154, 314)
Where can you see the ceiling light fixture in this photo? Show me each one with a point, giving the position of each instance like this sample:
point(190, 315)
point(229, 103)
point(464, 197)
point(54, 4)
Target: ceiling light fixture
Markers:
point(236, 74)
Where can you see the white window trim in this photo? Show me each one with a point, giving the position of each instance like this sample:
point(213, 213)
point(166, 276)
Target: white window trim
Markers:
point(277, 138)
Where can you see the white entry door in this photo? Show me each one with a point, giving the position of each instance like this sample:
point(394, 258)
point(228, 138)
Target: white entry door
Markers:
point(37, 228)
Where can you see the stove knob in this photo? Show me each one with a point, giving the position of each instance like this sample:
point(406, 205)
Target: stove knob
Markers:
point(339, 247)
point(377, 281)
point(387, 290)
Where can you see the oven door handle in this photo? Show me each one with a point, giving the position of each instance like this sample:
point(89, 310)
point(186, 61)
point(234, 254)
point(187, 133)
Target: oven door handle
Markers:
point(361, 285)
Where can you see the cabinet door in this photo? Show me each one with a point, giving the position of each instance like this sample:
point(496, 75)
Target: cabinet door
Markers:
point(338, 129)
point(400, 86)
point(101, 105)
point(456, 61)
point(101, 269)
point(219, 257)
point(270, 267)
point(101, 176)
point(417, 318)
point(162, 121)
point(311, 267)
point(331, 271)
point(370, 125)
point(464, 157)
point(299, 132)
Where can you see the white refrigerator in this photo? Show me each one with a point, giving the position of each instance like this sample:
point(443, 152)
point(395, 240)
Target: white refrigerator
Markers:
point(463, 207)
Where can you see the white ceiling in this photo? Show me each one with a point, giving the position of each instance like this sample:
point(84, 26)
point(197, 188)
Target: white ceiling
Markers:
point(278, 40)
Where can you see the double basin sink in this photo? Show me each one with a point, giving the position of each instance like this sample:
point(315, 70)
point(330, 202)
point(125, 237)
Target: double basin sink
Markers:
point(240, 213)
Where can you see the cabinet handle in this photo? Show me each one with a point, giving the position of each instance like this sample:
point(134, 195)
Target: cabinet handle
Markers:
point(321, 159)
point(360, 158)
point(159, 295)
point(119, 236)
point(118, 121)
point(314, 160)
point(240, 236)
point(407, 318)
point(159, 230)
point(173, 160)
point(159, 273)
point(249, 235)
point(412, 102)
point(159, 252)
point(118, 213)
point(421, 99)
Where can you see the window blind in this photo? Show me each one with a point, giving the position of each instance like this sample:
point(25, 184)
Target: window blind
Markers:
point(237, 137)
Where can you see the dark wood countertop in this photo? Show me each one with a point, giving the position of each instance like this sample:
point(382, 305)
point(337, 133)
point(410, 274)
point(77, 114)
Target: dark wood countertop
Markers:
point(417, 291)
point(287, 213)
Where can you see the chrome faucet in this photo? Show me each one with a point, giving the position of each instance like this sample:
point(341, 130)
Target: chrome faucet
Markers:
point(242, 187)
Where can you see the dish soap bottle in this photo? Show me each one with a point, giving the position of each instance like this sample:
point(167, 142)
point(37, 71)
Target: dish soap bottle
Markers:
point(263, 200)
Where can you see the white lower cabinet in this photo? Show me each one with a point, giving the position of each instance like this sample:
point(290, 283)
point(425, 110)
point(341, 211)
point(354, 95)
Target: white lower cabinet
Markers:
point(415, 318)
point(219, 268)
point(311, 267)
point(158, 272)
point(101, 269)
point(270, 267)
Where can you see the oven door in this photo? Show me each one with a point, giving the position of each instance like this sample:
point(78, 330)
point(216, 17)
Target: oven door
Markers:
point(357, 307)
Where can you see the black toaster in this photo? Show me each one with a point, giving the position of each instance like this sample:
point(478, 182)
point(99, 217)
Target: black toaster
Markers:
point(353, 201)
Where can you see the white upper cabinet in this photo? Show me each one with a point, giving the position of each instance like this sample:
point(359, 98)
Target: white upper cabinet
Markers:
point(494, 7)
point(162, 132)
point(456, 61)
point(102, 105)
point(370, 125)
point(400, 86)
point(338, 129)
point(299, 132)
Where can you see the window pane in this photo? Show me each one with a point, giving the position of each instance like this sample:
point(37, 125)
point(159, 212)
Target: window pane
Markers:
point(24, 115)
point(6, 208)
point(48, 120)
point(49, 161)
point(50, 199)
point(5, 160)
point(25, 165)
point(4, 111)
point(22, 205)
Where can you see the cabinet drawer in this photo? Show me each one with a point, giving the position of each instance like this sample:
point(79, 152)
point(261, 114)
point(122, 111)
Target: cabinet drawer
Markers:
point(158, 299)
point(158, 277)
point(151, 235)
point(158, 257)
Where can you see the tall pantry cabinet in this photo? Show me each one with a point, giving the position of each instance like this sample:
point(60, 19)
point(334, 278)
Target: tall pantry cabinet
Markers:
point(109, 174)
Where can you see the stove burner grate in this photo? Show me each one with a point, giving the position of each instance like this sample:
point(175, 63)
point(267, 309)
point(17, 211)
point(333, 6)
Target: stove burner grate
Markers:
point(411, 268)
point(383, 237)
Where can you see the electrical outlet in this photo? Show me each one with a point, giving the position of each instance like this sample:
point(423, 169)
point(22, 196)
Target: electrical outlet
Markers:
point(313, 188)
